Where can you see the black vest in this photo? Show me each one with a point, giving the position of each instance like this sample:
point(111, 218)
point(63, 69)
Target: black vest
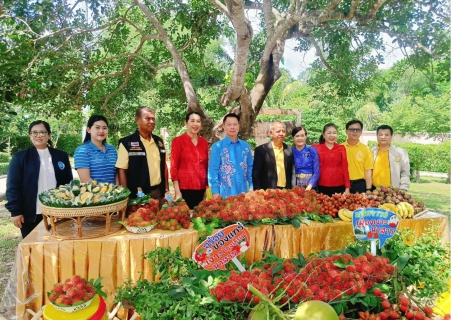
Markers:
point(138, 171)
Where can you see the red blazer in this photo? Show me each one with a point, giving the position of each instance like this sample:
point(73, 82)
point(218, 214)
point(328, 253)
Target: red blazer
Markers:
point(333, 166)
point(189, 163)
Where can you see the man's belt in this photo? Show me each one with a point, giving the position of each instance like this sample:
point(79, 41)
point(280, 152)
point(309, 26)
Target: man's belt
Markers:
point(304, 175)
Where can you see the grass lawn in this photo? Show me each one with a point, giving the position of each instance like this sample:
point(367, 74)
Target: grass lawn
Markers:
point(434, 193)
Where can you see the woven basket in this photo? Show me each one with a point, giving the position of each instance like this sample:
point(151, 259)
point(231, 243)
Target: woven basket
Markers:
point(67, 223)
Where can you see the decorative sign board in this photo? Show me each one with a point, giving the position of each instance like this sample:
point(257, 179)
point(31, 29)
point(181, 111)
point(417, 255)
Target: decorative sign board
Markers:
point(223, 246)
point(374, 224)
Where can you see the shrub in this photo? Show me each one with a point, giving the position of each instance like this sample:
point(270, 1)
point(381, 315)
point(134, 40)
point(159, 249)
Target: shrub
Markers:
point(19, 143)
point(69, 142)
point(4, 157)
point(4, 168)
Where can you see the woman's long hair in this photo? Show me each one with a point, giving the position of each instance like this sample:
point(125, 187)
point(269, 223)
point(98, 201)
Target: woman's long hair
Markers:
point(47, 127)
point(91, 122)
point(328, 125)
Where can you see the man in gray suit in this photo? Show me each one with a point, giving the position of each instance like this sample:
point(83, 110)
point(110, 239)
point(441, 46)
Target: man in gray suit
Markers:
point(273, 161)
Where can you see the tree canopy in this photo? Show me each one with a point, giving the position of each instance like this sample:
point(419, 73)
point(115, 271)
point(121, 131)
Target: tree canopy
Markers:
point(113, 56)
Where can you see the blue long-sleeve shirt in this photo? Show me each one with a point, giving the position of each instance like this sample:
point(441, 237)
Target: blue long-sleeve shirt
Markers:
point(230, 167)
point(307, 161)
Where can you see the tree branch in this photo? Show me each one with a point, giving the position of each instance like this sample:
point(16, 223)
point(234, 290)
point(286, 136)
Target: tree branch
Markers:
point(383, 29)
point(320, 55)
point(218, 4)
point(5, 16)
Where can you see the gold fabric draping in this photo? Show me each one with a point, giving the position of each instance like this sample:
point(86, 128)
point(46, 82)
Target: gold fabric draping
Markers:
point(43, 260)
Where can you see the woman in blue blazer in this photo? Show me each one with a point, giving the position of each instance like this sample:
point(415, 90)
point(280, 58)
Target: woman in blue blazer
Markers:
point(31, 172)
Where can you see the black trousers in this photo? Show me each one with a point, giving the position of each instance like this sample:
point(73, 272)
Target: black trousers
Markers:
point(358, 186)
point(192, 197)
point(28, 226)
point(330, 190)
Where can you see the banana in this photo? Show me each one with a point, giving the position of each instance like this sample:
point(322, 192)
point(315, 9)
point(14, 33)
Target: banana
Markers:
point(342, 216)
point(391, 207)
point(347, 213)
point(409, 208)
point(403, 209)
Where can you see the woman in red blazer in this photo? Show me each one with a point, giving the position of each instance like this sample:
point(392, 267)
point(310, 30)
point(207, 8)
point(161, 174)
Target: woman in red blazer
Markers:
point(334, 175)
point(189, 162)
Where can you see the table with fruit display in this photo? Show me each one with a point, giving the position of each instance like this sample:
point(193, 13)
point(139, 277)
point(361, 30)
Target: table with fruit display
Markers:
point(285, 222)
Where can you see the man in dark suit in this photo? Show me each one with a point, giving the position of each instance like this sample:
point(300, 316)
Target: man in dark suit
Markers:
point(273, 161)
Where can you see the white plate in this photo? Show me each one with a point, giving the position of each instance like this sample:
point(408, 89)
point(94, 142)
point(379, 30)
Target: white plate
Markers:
point(73, 309)
point(139, 229)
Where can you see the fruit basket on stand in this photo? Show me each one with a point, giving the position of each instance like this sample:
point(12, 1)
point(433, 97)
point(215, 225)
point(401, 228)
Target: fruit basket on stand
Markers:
point(83, 211)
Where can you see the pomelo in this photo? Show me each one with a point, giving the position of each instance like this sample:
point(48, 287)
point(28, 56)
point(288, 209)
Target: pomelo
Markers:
point(315, 310)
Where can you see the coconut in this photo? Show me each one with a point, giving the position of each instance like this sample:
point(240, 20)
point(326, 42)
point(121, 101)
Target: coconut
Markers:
point(315, 310)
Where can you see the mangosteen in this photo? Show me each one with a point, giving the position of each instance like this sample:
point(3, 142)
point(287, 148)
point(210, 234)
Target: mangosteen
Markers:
point(397, 201)
point(369, 197)
point(400, 198)
point(375, 192)
point(384, 189)
point(411, 201)
point(368, 192)
point(402, 192)
point(407, 196)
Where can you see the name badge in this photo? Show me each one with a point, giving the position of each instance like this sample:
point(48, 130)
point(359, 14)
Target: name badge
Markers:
point(397, 159)
point(134, 144)
point(163, 151)
point(61, 165)
point(136, 154)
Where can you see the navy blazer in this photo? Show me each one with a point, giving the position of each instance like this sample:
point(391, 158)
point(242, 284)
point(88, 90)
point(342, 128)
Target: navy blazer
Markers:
point(22, 180)
point(264, 172)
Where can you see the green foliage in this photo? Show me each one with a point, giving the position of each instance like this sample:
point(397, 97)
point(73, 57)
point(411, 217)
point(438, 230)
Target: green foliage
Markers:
point(422, 261)
point(68, 143)
point(4, 168)
point(19, 143)
point(4, 157)
point(169, 264)
point(185, 294)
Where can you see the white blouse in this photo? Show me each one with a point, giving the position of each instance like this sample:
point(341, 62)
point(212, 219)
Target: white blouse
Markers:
point(47, 178)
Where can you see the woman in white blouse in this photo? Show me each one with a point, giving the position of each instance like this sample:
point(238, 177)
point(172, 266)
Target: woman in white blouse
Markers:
point(31, 172)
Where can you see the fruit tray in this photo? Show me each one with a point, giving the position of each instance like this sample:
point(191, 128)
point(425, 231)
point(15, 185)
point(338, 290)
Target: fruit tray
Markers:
point(84, 222)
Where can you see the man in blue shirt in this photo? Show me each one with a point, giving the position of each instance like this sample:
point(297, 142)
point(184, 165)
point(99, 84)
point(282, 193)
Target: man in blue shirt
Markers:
point(230, 167)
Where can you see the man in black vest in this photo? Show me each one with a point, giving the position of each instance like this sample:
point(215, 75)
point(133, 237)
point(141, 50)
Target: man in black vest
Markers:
point(141, 159)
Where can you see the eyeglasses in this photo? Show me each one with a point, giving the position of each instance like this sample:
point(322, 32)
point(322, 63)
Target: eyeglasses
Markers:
point(38, 133)
point(354, 130)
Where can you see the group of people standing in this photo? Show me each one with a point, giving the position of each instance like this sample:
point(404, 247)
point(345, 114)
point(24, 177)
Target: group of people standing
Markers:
point(230, 169)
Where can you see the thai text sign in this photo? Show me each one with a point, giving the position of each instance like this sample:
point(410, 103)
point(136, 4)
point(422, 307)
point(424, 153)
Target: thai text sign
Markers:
point(225, 245)
point(374, 224)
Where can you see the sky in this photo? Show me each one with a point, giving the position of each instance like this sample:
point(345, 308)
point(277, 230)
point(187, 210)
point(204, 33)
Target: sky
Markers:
point(296, 62)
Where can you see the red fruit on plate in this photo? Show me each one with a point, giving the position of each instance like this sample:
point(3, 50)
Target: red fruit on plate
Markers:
point(377, 292)
point(409, 315)
point(394, 315)
point(385, 304)
point(419, 315)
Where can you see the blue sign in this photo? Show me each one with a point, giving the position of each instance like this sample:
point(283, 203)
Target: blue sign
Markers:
point(374, 224)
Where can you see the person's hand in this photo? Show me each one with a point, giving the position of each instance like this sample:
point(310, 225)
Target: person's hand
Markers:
point(178, 195)
point(309, 187)
point(18, 220)
point(346, 191)
point(216, 196)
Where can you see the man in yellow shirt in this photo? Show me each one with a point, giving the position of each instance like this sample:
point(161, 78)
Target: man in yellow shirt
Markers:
point(141, 159)
point(391, 163)
point(360, 158)
point(273, 161)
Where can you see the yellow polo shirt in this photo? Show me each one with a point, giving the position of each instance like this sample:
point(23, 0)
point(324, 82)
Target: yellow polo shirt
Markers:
point(153, 159)
point(360, 159)
point(381, 172)
point(280, 165)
